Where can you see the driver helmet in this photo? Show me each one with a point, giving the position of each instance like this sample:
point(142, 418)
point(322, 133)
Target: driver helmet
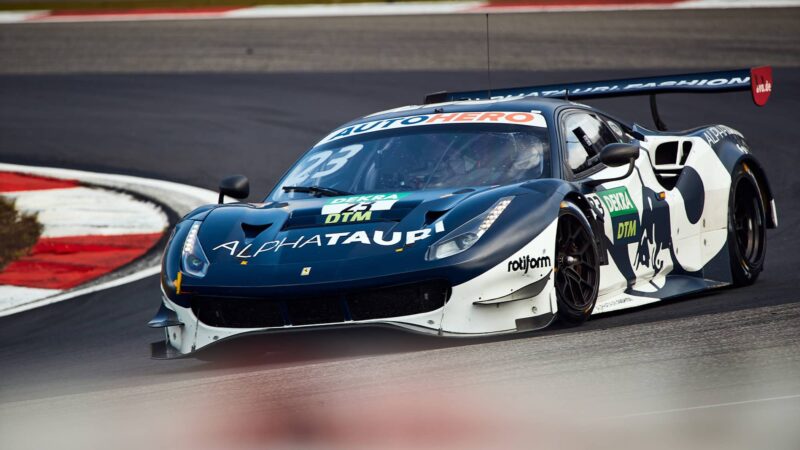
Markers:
point(529, 155)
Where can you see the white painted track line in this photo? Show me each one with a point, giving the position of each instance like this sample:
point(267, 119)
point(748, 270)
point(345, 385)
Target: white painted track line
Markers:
point(49, 300)
point(709, 406)
point(11, 296)
point(355, 9)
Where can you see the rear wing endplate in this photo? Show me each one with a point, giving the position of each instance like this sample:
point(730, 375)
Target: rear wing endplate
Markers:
point(757, 80)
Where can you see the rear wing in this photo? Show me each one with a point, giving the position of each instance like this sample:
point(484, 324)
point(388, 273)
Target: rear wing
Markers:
point(757, 80)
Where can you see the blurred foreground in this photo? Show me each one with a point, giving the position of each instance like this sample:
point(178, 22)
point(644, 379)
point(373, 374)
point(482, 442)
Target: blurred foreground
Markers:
point(194, 101)
point(726, 381)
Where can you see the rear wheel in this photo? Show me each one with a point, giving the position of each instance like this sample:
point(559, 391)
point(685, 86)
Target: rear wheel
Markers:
point(576, 270)
point(747, 231)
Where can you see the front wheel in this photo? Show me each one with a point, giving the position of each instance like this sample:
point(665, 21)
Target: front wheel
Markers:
point(747, 230)
point(577, 271)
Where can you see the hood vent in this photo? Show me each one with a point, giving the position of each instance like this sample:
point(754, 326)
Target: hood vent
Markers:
point(313, 217)
point(464, 191)
point(431, 216)
point(252, 231)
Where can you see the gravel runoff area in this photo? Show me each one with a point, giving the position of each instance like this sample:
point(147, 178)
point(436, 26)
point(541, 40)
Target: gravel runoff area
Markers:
point(537, 41)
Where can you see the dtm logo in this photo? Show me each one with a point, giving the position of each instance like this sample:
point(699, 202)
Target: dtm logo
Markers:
point(526, 263)
point(626, 229)
point(349, 217)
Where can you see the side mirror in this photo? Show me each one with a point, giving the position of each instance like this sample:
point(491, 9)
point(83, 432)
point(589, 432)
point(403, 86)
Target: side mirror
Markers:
point(615, 155)
point(236, 186)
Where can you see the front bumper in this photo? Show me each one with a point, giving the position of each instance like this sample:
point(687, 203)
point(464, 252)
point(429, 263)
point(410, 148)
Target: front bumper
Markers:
point(498, 301)
point(184, 339)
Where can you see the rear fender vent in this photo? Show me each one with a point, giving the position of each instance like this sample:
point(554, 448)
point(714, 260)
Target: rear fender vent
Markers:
point(687, 147)
point(667, 153)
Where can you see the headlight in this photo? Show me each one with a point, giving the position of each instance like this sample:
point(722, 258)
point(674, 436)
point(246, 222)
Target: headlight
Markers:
point(468, 234)
point(193, 259)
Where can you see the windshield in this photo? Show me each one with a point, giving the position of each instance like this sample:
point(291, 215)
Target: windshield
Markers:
point(432, 157)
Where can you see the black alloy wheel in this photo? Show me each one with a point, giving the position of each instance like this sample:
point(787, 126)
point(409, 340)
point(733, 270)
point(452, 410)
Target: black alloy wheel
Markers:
point(576, 269)
point(746, 228)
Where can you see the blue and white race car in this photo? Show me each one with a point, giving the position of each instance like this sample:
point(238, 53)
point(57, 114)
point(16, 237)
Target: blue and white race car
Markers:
point(477, 213)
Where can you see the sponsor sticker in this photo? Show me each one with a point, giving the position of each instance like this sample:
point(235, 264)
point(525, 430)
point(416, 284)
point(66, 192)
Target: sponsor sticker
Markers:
point(624, 214)
point(526, 263)
point(612, 304)
point(582, 89)
point(242, 250)
point(617, 202)
point(626, 230)
point(361, 203)
point(502, 117)
point(761, 84)
point(718, 133)
point(348, 217)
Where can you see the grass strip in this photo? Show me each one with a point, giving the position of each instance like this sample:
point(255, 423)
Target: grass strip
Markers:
point(18, 232)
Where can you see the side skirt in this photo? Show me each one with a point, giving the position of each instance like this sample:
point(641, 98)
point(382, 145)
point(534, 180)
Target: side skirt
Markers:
point(645, 293)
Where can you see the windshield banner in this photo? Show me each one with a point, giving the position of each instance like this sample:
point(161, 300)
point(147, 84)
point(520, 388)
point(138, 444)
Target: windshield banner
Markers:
point(500, 117)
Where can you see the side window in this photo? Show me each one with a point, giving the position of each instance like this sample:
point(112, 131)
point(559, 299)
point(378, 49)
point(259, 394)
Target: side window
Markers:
point(618, 130)
point(585, 136)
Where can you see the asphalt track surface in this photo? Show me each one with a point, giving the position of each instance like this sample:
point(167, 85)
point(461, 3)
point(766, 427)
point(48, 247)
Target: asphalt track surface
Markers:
point(122, 111)
point(531, 42)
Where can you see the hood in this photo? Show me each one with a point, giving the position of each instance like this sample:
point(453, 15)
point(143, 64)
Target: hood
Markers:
point(329, 238)
point(325, 229)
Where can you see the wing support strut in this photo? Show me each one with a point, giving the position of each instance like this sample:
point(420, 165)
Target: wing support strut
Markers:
point(660, 125)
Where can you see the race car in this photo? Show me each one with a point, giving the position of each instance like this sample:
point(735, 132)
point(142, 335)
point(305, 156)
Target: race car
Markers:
point(477, 213)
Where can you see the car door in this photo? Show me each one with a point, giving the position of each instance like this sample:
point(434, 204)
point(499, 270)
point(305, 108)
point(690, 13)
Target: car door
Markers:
point(621, 202)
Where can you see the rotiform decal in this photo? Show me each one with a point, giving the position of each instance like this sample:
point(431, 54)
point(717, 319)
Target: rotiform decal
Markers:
point(526, 263)
point(503, 117)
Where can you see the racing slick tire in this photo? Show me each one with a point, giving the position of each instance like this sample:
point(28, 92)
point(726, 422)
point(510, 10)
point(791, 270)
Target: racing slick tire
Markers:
point(747, 230)
point(577, 269)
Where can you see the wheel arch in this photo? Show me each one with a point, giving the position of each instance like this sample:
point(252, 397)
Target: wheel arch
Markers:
point(579, 208)
point(581, 202)
point(733, 151)
point(750, 163)
point(594, 221)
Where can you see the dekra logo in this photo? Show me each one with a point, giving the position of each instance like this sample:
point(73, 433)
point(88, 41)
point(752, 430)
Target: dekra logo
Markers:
point(618, 201)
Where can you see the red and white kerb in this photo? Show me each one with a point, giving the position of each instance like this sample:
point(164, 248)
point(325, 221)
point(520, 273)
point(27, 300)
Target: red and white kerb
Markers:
point(88, 232)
